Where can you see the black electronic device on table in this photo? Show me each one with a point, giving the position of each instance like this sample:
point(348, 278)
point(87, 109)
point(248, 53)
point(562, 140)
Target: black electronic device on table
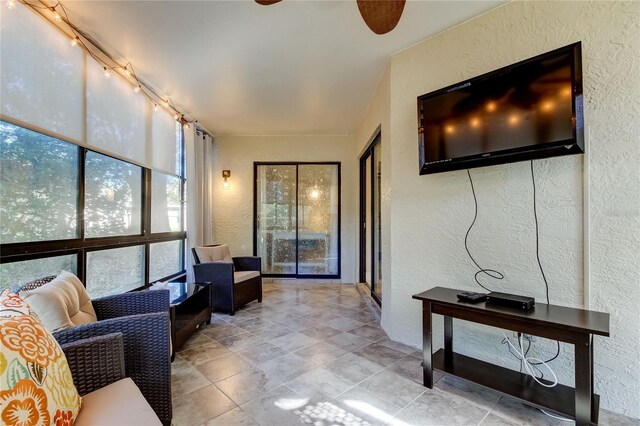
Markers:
point(523, 303)
point(471, 297)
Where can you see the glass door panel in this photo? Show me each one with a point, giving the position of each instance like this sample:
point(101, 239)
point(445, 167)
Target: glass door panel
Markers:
point(276, 218)
point(367, 223)
point(370, 219)
point(318, 224)
point(375, 219)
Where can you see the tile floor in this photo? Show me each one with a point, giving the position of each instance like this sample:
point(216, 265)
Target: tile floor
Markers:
point(315, 354)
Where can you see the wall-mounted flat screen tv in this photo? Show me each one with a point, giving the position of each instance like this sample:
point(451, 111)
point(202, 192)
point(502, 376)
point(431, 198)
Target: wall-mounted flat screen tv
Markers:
point(528, 110)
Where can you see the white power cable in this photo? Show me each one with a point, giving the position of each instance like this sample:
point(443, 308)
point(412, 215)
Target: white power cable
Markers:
point(527, 362)
point(564, 419)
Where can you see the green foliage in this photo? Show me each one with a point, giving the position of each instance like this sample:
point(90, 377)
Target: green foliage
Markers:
point(38, 186)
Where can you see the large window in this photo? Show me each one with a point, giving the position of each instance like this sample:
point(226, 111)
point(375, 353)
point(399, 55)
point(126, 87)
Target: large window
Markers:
point(117, 225)
point(38, 186)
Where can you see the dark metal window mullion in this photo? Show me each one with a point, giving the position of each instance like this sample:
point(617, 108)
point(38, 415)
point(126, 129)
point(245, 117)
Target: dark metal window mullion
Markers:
point(81, 263)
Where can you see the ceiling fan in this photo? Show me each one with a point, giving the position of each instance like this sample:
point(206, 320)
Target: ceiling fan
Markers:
point(381, 16)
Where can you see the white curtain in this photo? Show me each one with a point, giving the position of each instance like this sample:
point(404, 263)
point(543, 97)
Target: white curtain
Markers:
point(199, 164)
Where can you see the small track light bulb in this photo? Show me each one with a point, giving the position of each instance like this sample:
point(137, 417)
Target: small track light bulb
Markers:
point(11, 4)
point(74, 42)
point(107, 74)
point(155, 107)
point(136, 89)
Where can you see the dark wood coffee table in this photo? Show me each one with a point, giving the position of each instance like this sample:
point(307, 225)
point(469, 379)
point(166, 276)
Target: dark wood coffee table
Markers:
point(190, 309)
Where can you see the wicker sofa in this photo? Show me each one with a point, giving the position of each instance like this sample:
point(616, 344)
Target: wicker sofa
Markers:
point(235, 281)
point(143, 320)
point(108, 397)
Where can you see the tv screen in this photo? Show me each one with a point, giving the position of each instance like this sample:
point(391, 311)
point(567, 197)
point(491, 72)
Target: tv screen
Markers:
point(532, 109)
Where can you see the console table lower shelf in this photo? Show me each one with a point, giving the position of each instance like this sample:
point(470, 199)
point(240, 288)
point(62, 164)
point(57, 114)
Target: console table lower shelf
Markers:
point(560, 398)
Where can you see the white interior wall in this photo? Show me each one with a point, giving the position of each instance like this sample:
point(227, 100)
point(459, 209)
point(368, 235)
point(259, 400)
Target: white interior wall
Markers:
point(233, 208)
point(378, 114)
point(430, 214)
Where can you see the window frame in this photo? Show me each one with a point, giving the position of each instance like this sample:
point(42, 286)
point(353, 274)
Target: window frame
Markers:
point(16, 252)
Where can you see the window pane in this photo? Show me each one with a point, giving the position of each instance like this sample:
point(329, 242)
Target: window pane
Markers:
point(113, 196)
point(165, 259)
point(166, 209)
point(12, 274)
point(38, 186)
point(114, 271)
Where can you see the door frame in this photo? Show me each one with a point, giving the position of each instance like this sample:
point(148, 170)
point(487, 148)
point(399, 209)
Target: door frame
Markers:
point(367, 153)
point(255, 215)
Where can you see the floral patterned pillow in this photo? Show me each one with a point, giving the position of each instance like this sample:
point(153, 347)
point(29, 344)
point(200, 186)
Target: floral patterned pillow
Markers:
point(36, 387)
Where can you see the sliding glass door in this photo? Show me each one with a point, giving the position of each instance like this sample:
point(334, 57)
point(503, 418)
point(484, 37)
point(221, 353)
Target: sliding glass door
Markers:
point(370, 218)
point(297, 219)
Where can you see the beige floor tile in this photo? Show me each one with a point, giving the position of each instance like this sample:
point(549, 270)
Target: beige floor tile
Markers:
point(319, 384)
point(248, 385)
point(235, 417)
point(223, 367)
point(197, 407)
point(321, 353)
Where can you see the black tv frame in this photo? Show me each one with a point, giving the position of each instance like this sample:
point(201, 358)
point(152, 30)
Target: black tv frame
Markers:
point(572, 146)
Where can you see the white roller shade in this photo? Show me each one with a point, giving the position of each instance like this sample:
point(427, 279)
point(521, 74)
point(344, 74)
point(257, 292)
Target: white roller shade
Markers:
point(116, 115)
point(42, 85)
point(41, 74)
point(164, 141)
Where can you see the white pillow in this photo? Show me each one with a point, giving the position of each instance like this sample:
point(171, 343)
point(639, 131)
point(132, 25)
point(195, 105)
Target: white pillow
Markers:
point(61, 304)
point(219, 253)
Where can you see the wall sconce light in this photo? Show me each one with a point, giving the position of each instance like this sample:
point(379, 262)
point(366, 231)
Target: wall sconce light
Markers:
point(226, 174)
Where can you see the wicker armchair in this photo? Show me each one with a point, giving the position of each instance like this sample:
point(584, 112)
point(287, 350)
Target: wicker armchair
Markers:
point(95, 364)
point(235, 281)
point(143, 320)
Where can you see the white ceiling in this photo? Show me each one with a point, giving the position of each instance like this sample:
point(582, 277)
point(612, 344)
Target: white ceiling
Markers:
point(293, 68)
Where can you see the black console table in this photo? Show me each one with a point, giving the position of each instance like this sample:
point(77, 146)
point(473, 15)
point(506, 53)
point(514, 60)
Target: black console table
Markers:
point(575, 326)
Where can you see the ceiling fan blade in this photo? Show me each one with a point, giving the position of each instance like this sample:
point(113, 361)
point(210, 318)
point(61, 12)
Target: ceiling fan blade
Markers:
point(381, 16)
point(267, 2)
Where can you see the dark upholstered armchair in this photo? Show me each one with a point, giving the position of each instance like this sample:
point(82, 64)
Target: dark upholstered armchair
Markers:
point(235, 281)
point(142, 317)
point(98, 369)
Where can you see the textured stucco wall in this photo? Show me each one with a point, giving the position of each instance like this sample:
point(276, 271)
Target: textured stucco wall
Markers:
point(378, 114)
point(430, 214)
point(233, 208)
